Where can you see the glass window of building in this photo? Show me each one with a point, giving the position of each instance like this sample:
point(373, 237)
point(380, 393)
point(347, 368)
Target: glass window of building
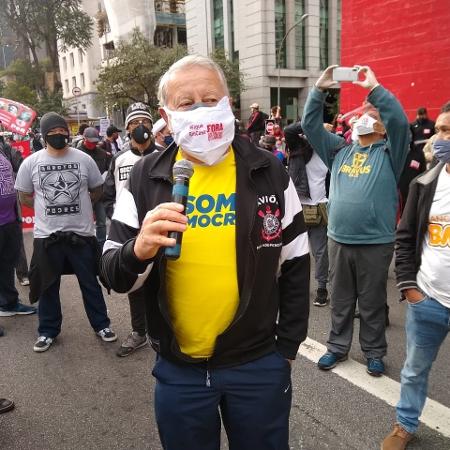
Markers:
point(72, 60)
point(66, 86)
point(64, 63)
point(80, 56)
point(323, 33)
point(219, 41)
point(300, 35)
point(83, 81)
point(74, 82)
point(280, 31)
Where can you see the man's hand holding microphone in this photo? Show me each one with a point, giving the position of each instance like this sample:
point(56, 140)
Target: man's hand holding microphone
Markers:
point(164, 225)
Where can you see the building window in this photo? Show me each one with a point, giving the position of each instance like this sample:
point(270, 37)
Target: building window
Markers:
point(72, 60)
point(80, 56)
point(181, 36)
point(219, 41)
point(280, 31)
point(65, 64)
point(300, 35)
point(74, 82)
point(83, 83)
point(323, 34)
point(66, 85)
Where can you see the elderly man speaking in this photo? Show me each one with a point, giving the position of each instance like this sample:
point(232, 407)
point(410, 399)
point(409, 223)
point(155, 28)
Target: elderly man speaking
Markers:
point(226, 318)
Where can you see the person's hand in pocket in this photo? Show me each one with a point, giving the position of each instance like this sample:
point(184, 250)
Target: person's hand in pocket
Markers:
point(413, 295)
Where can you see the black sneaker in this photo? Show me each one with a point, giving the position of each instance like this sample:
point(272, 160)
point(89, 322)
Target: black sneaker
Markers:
point(107, 335)
point(321, 297)
point(43, 344)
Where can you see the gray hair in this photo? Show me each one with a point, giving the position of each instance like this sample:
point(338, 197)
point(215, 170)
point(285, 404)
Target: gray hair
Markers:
point(188, 61)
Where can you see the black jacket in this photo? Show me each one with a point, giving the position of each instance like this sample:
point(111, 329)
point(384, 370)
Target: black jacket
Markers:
point(273, 277)
point(413, 226)
point(100, 156)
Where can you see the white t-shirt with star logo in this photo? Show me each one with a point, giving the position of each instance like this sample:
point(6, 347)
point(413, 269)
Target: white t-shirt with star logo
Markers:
point(61, 191)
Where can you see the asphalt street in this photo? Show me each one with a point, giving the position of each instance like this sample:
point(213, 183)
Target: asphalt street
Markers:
point(80, 395)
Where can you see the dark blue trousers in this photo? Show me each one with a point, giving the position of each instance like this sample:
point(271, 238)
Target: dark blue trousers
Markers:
point(253, 400)
point(83, 262)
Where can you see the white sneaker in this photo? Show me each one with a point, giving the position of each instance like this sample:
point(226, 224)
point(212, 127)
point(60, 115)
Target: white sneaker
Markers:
point(107, 335)
point(42, 344)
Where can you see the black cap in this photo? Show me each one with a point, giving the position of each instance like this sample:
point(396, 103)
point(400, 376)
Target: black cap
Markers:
point(111, 130)
point(52, 120)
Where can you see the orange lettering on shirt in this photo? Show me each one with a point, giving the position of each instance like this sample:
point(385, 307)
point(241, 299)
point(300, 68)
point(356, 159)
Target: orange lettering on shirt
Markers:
point(439, 235)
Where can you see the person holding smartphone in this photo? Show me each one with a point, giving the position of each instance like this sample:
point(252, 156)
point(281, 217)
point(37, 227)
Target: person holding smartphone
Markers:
point(362, 210)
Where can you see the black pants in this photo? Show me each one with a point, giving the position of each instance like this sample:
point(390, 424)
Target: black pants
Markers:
point(138, 311)
point(9, 253)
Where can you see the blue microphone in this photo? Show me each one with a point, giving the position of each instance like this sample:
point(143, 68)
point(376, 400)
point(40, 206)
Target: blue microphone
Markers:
point(182, 172)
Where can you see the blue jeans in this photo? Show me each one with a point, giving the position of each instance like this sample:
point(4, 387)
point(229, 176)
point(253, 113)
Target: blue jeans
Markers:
point(82, 260)
point(100, 222)
point(427, 325)
point(254, 400)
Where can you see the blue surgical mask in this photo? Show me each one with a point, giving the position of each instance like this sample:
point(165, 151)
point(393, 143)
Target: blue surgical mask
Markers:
point(441, 148)
point(168, 140)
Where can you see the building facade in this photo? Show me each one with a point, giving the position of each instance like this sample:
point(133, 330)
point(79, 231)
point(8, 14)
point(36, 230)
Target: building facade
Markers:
point(78, 72)
point(254, 31)
point(161, 21)
point(401, 42)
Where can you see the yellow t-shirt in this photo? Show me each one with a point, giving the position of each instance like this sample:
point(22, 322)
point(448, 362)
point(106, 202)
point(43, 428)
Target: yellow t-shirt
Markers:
point(202, 285)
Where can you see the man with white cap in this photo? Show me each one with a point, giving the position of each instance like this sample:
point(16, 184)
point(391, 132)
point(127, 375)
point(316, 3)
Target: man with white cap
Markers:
point(139, 125)
point(163, 136)
point(362, 212)
point(256, 123)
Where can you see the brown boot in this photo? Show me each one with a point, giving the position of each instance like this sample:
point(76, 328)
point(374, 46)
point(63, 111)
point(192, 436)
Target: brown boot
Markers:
point(397, 439)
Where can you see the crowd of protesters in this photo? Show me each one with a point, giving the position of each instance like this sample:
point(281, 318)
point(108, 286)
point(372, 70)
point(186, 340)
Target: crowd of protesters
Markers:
point(356, 190)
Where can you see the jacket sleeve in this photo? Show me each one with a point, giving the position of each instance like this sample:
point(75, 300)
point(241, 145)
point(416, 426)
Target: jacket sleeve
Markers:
point(293, 281)
point(396, 124)
point(109, 189)
point(322, 141)
point(405, 242)
point(120, 269)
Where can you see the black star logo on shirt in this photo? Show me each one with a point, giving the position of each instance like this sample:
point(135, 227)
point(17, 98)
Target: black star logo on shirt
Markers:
point(61, 187)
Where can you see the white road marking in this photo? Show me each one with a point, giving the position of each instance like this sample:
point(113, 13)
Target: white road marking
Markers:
point(434, 415)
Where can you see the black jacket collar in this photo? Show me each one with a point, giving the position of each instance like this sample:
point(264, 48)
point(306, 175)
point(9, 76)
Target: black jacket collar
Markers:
point(244, 150)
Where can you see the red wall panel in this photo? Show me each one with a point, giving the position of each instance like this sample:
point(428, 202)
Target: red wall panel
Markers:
point(406, 43)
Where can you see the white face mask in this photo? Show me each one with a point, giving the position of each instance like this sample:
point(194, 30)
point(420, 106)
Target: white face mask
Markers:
point(364, 125)
point(205, 133)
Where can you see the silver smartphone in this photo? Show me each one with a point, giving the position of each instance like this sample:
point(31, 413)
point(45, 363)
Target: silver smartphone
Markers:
point(345, 74)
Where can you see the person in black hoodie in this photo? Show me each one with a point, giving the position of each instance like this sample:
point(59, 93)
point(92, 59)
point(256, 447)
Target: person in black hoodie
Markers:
point(90, 145)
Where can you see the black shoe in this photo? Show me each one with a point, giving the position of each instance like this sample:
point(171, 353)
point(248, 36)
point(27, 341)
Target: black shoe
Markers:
point(321, 297)
point(6, 405)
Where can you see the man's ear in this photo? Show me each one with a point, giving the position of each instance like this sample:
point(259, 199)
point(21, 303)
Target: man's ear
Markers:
point(163, 114)
point(378, 127)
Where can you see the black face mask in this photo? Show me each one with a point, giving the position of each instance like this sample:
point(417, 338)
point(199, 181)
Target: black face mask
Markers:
point(57, 141)
point(141, 134)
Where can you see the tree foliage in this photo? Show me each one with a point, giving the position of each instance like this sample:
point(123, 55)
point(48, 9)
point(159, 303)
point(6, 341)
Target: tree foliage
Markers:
point(45, 24)
point(235, 78)
point(134, 72)
point(25, 81)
